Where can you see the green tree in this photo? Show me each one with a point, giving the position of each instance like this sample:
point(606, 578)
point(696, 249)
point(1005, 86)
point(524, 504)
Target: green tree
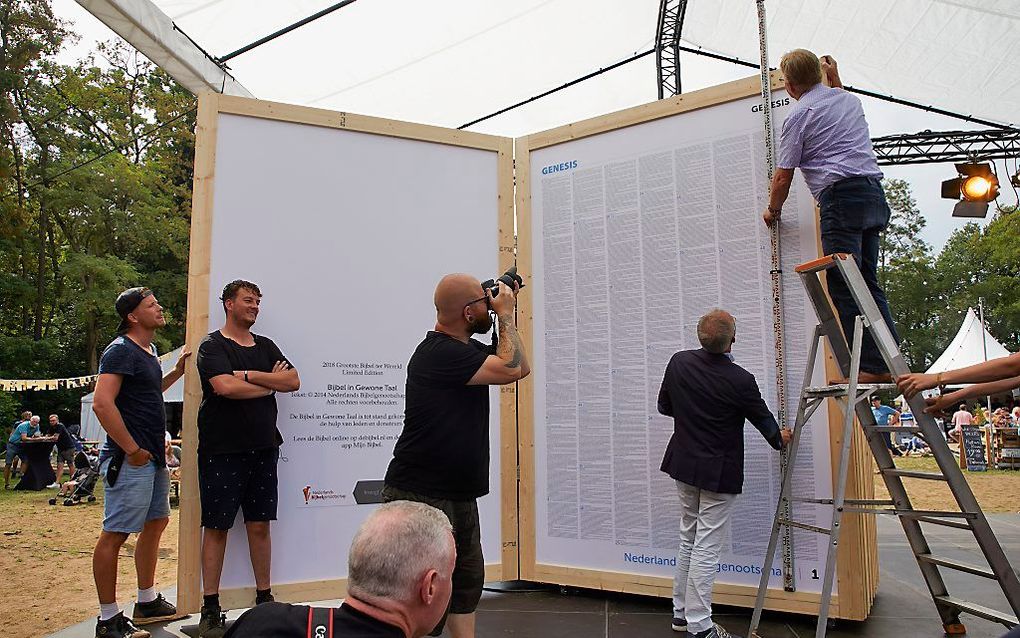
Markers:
point(906, 273)
point(95, 196)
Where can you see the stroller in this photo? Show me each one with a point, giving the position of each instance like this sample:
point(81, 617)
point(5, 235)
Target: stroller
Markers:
point(86, 474)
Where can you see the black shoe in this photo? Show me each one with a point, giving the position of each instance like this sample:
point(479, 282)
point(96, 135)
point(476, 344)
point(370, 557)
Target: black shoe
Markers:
point(119, 627)
point(159, 610)
point(212, 623)
point(679, 623)
point(268, 598)
point(716, 631)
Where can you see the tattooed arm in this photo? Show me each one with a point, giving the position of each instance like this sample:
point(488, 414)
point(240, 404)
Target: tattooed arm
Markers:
point(510, 363)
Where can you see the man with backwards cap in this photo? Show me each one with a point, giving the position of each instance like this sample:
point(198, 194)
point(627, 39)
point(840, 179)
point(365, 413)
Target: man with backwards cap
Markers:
point(129, 403)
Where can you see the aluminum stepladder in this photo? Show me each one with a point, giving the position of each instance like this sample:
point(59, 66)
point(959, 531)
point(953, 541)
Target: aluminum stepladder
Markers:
point(853, 399)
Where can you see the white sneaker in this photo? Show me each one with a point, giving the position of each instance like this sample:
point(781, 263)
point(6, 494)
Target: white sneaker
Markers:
point(54, 485)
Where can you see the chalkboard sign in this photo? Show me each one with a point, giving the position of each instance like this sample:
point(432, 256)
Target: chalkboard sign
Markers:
point(974, 449)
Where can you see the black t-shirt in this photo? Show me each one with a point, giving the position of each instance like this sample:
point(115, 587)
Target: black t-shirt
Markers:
point(140, 400)
point(236, 425)
point(443, 450)
point(280, 620)
point(63, 436)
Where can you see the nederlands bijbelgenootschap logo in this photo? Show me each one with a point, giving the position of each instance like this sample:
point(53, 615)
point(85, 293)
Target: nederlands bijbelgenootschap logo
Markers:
point(322, 497)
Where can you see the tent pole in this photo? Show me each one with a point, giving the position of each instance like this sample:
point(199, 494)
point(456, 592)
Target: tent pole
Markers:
point(984, 351)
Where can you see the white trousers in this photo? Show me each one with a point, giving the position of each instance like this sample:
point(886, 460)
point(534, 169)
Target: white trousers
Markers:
point(704, 520)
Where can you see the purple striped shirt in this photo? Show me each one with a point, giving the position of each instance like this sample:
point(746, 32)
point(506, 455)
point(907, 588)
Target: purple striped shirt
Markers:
point(826, 136)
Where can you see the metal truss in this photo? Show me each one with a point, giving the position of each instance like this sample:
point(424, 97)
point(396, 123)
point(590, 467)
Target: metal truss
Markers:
point(667, 46)
point(929, 147)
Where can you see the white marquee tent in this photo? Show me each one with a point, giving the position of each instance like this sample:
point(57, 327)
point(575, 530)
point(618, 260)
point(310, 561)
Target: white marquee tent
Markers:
point(90, 428)
point(972, 344)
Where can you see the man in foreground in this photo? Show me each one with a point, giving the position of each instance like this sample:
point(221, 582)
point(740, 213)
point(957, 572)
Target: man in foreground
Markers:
point(826, 136)
point(442, 455)
point(709, 398)
point(400, 575)
point(238, 443)
point(129, 404)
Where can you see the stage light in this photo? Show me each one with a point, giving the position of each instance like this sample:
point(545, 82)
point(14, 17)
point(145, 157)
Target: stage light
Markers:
point(975, 188)
point(976, 184)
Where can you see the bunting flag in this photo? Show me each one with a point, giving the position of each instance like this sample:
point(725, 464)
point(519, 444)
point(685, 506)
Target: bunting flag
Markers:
point(68, 383)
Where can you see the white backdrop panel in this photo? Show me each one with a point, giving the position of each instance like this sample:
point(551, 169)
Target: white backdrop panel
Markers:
point(346, 234)
point(638, 232)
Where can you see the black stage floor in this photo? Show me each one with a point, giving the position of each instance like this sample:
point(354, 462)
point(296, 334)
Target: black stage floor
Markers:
point(902, 608)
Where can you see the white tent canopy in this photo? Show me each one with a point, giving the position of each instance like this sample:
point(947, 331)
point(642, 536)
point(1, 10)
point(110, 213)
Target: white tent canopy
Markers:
point(952, 54)
point(972, 344)
point(90, 428)
point(447, 63)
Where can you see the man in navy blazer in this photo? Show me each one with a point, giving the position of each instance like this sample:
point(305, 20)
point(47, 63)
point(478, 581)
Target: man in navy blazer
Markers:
point(709, 398)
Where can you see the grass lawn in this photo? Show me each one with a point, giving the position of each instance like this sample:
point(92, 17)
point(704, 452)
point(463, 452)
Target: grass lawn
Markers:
point(46, 561)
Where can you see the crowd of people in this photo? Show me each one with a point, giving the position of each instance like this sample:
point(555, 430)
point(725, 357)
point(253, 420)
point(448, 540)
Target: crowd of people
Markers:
point(29, 429)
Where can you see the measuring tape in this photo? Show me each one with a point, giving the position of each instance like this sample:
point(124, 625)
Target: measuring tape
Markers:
point(789, 584)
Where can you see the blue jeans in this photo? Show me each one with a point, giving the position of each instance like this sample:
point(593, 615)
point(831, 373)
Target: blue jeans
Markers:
point(140, 494)
point(853, 215)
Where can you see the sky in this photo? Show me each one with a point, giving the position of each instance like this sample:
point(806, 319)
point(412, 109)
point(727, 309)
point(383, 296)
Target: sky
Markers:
point(449, 62)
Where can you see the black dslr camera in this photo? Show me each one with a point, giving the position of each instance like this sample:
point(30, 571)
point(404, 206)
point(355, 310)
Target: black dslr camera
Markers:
point(510, 277)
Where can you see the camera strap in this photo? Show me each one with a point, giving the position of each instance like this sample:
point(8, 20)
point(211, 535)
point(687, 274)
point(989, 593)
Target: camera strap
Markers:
point(320, 622)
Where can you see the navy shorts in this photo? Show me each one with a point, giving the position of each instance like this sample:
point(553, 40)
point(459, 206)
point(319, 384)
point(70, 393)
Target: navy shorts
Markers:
point(245, 480)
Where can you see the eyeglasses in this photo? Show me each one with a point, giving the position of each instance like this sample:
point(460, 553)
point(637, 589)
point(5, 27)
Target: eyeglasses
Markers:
point(488, 304)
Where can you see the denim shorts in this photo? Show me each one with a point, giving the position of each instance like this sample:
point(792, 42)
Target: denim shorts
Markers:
point(140, 494)
point(13, 451)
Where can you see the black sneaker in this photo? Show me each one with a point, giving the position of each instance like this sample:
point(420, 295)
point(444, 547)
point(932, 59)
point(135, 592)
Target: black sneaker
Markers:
point(159, 610)
point(268, 598)
point(212, 623)
point(679, 623)
point(119, 627)
point(716, 631)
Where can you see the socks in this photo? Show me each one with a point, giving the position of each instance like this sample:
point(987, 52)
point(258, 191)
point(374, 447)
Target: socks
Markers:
point(263, 595)
point(147, 595)
point(108, 610)
point(211, 600)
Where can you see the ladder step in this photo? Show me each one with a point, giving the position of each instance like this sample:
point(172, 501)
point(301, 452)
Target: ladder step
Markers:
point(810, 528)
point(936, 513)
point(957, 565)
point(822, 263)
point(893, 428)
point(942, 522)
point(978, 610)
point(849, 501)
point(840, 389)
point(931, 476)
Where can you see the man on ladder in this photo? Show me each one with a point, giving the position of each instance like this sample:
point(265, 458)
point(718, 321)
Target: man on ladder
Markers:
point(826, 136)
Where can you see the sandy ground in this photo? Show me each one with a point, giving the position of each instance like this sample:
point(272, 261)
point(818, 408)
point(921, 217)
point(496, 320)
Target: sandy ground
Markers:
point(46, 551)
point(996, 490)
point(46, 561)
